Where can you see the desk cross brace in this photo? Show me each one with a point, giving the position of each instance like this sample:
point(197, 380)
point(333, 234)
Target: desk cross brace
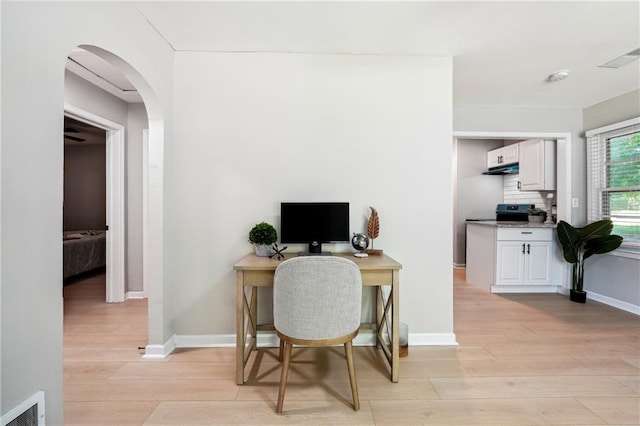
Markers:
point(382, 323)
point(251, 325)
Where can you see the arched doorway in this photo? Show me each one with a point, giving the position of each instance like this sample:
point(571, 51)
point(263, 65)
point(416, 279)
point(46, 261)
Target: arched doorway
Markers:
point(151, 184)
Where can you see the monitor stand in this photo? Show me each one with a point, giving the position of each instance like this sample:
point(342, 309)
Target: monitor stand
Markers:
point(315, 249)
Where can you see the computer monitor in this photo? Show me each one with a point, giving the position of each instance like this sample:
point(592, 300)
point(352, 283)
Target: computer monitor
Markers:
point(314, 224)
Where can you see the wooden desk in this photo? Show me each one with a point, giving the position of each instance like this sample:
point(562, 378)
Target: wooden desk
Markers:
point(377, 271)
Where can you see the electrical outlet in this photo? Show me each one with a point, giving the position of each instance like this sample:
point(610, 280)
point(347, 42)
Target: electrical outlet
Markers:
point(574, 202)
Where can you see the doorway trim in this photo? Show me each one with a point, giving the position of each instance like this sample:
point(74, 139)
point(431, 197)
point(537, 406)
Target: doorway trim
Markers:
point(115, 268)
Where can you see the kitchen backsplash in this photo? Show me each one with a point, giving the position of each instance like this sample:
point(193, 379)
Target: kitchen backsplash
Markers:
point(513, 195)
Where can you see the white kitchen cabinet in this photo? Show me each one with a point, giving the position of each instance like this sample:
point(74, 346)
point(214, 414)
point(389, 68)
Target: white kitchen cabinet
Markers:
point(503, 156)
point(537, 165)
point(521, 263)
point(512, 259)
point(524, 256)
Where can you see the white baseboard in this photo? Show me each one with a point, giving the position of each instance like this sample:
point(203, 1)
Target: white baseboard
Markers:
point(625, 306)
point(160, 351)
point(265, 339)
point(135, 295)
point(619, 304)
point(269, 339)
point(209, 340)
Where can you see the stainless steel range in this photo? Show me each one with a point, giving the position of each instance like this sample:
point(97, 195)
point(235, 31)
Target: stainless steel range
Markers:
point(513, 212)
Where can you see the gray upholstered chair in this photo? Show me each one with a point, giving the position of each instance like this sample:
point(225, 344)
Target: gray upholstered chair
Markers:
point(317, 302)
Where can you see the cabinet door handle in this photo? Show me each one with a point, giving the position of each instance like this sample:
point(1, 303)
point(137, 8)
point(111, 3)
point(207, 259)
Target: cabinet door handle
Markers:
point(522, 248)
point(528, 248)
point(519, 185)
point(526, 232)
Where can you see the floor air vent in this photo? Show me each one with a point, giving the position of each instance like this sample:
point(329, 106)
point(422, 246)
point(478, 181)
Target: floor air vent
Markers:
point(29, 413)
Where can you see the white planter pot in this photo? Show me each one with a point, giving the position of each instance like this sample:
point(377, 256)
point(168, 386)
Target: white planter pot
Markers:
point(263, 250)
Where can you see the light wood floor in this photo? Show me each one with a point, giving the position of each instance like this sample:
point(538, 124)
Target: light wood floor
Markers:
point(522, 360)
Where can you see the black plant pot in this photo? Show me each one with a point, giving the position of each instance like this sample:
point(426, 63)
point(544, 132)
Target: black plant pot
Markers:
point(578, 296)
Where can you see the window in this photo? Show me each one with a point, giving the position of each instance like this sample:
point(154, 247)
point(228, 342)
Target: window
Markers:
point(613, 170)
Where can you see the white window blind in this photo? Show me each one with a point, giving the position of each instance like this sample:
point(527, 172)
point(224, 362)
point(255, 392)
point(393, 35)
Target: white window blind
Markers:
point(613, 173)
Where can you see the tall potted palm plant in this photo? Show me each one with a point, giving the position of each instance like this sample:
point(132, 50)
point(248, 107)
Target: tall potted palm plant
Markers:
point(578, 244)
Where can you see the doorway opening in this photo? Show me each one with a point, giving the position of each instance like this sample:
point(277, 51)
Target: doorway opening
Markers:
point(114, 206)
point(148, 194)
point(563, 176)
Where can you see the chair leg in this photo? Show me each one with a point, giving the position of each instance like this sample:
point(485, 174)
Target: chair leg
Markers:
point(283, 376)
point(348, 349)
point(280, 351)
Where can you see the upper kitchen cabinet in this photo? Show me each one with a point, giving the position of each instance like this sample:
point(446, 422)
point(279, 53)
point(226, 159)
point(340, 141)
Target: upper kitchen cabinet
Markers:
point(503, 156)
point(538, 165)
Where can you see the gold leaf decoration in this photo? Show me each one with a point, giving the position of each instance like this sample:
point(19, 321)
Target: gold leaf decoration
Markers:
point(373, 226)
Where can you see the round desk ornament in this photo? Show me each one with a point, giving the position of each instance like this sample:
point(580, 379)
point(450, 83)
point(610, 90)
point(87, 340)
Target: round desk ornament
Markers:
point(360, 242)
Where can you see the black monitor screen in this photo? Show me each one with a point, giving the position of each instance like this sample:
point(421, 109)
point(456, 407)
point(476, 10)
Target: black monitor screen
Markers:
point(314, 223)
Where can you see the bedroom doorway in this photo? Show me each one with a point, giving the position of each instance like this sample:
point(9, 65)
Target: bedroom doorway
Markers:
point(114, 198)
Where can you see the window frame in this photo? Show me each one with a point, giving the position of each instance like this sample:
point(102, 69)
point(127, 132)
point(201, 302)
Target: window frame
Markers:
point(630, 249)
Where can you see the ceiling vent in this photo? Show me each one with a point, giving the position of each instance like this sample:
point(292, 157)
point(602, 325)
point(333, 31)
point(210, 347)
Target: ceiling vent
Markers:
point(621, 60)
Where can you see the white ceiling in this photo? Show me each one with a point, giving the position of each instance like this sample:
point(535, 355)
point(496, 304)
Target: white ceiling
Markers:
point(502, 51)
point(99, 72)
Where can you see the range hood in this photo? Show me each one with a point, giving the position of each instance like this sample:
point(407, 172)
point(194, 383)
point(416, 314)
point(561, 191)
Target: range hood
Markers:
point(512, 169)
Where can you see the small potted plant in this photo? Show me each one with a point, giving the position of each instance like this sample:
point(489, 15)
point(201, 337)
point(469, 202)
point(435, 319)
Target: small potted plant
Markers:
point(536, 215)
point(262, 236)
point(578, 244)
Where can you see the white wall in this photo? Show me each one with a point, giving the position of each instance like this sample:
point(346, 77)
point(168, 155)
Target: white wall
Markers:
point(614, 110)
point(476, 195)
point(136, 121)
point(613, 280)
point(623, 290)
point(88, 97)
point(257, 129)
point(36, 38)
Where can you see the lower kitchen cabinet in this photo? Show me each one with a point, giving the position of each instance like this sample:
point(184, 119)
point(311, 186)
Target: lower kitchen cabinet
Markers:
point(523, 263)
point(512, 259)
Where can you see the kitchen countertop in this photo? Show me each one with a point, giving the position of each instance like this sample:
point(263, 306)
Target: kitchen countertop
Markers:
point(508, 224)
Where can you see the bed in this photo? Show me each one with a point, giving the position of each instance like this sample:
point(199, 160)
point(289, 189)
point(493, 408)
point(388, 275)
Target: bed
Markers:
point(83, 251)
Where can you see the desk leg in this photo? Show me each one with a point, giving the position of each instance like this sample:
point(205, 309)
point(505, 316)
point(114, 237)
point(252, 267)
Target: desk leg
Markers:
point(240, 327)
point(395, 327)
point(379, 311)
point(254, 318)
point(388, 320)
